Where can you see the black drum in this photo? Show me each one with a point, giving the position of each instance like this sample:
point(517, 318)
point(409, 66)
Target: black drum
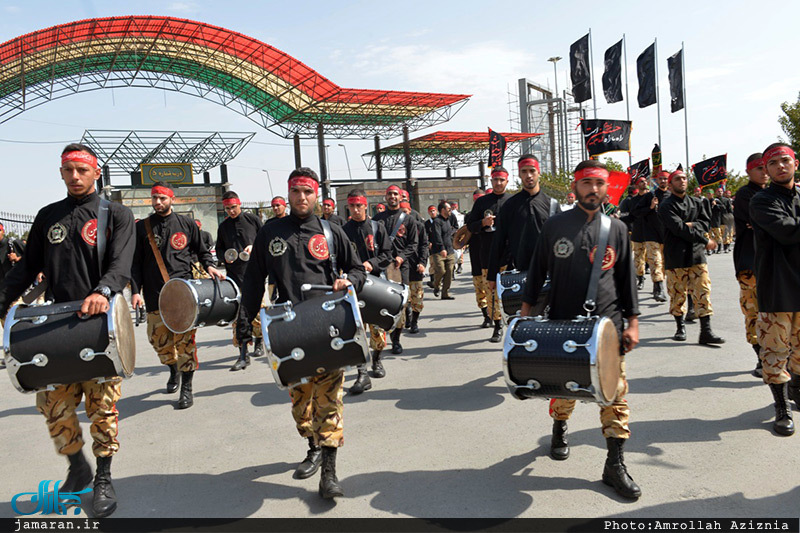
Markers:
point(49, 345)
point(510, 288)
point(186, 304)
point(382, 302)
point(573, 359)
point(318, 335)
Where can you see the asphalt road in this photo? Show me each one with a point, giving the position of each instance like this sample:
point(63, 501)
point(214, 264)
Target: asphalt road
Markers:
point(440, 436)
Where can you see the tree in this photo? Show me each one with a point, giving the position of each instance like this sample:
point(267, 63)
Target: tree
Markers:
point(790, 123)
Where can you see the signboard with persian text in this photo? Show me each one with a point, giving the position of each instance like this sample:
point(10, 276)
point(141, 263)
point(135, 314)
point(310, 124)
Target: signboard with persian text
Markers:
point(174, 173)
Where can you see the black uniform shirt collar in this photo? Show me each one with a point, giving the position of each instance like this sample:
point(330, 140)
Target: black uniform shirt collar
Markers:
point(790, 192)
point(302, 221)
point(82, 201)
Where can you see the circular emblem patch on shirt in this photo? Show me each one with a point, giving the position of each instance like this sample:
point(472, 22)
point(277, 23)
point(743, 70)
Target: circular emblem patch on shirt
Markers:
point(318, 247)
point(178, 241)
point(158, 239)
point(401, 231)
point(609, 259)
point(277, 246)
point(57, 233)
point(563, 248)
point(89, 232)
point(370, 241)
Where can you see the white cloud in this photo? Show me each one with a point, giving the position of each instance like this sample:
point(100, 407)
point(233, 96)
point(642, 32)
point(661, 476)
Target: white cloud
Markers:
point(183, 7)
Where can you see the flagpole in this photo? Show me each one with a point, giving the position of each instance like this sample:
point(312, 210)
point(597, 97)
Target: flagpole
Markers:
point(685, 116)
point(658, 100)
point(591, 73)
point(627, 99)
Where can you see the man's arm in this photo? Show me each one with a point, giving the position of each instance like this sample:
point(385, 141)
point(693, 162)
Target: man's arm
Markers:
point(121, 249)
point(253, 285)
point(383, 249)
point(347, 260)
point(674, 223)
point(437, 243)
point(537, 273)
point(768, 214)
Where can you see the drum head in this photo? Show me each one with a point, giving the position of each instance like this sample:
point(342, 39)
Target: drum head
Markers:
point(608, 359)
point(461, 238)
point(123, 333)
point(178, 305)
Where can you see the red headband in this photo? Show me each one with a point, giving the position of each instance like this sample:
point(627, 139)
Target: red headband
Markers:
point(755, 163)
point(328, 201)
point(79, 157)
point(278, 201)
point(676, 173)
point(356, 200)
point(529, 162)
point(158, 189)
point(404, 205)
point(663, 173)
point(231, 201)
point(394, 188)
point(591, 172)
point(778, 150)
point(501, 173)
point(697, 190)
point(304, 181)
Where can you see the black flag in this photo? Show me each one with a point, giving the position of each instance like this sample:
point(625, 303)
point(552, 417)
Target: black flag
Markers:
point(646, 71)
point(612, 76)
point(497, 149)
point(675, 67)
point(656, 154)
point(579, 69)
point(711, 170)
point(640, 169)
point(603, 136)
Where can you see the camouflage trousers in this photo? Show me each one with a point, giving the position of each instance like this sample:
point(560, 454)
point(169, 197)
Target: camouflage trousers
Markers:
point(58, 407)
point(694, 279)
point(317, 409)
point(199, 271)
point(415, 296)
point(716, 234)
point(172, 347)
point(495, 307)
point(779, 337)
point(377, 338)
point(749, 303)
point(649, 252)
point(614, 418)
point(481, 297)
point(729, 234)
point(256, 331)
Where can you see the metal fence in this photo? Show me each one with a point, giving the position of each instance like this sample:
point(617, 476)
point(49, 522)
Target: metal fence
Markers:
point(16, 223)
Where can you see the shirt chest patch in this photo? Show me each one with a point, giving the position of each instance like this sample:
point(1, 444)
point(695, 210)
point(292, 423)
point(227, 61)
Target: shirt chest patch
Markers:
point(57, 233)
point(563, 248)
point(370, 242)
point(318, 247)
point(609, 259)
point(179, 241)
point(277, 247)
point(89, 232)
point(401, 231)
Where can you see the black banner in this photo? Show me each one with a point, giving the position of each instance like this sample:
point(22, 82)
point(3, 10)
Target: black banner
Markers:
point(603, 136)
point(640, 169)
point(646, 71)
point(579, 69)
point(711, 170)
point(612, 75)
point(656, 155)
point(497, 149)
point(675, 67)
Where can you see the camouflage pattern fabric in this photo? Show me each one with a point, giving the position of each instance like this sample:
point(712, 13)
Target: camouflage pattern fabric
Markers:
point(377, 338)
point(317, 409)
point(415, 295)
point(779, 337)
point(655, 256)
point(749, 303)
point(495, 307)
point(172, 347)
point(481, 297)
point(639, 257)
point(694, 279)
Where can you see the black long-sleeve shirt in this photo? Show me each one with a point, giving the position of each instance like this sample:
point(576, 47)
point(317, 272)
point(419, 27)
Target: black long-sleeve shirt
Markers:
point(292, 251)
point(518, 225)
point(177, 237)
point(637, 222)
point(372, 247)
point(62, 243)
point(744, 249)
point(488, 204)
point(237, 233)
point(7, 246)
point(565, 250)
point(335, 219)
point(441, 235)
point(651, 227)
point(421, 254)
point(718, 210)
point(684, 246)
point(775, 217)
point(404, 242)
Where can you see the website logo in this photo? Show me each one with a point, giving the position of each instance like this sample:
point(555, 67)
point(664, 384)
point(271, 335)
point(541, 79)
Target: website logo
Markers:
point(48, 502)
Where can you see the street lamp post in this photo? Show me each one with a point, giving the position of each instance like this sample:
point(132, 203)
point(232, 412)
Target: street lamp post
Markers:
point(269, 182)
point(562, 156)
point(349, 172)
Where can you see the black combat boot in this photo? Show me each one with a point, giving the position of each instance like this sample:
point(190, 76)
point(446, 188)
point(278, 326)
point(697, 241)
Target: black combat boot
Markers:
point(658, 291)
point(243, 361)
point(377, 367)
point(487, 320)
point(328, 482)
point(172, 382)
point(783, 425)
point(397, 348)
point(706, 335)
point(794, 389)
point(105, 499)
point(311, 463)
point(497, 334)
point(615, 473)
point(259, 350)
point(757, 371)
point(363, 383)
point(79, 475)
point(640, 282)
point(186, 400)
point(680, 332)
point(414, 328)
point(408, 317)
point(559, 445)
point(691, 316)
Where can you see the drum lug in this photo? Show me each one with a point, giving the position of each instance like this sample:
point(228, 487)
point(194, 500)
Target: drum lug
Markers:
point(87, 354)
point(337, 343)
point(206, 303)
point(223, 323)
point(515, 287)
point(574, 387)
point(529, 344)
point(201, 325)
point(532, 385)
point(570, 346)
point(384, 312)
point(39, 360)
point(195, 281)
point(362, 304)
point(228, 300)
point(296, 354)
point(392, 289)
point(330, 305)
point(36, 320)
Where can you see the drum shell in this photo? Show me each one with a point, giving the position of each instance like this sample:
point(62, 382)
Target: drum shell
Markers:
point(61, 337)
point(311, 328)
point(511, 288)
point(378, 297)
point(553, 367)
point(186, 304)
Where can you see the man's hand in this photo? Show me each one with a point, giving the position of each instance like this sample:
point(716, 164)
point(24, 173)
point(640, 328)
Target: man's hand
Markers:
point(488, 220)
point(137, 301)
point(398, 261)
point(654, 203)
point(13, 257)
point(421, 268)
point(94, 304)
point(492, 285)
point(367, 266)
point(630, 335)
point(689, 225)
point(443, 253)
point(341, 284)
point(712, 245)
point(214, 273)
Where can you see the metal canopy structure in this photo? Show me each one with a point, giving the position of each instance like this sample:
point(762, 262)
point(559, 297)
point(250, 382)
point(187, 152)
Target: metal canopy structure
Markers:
point(124, 151)
point(442, 150)
point(239, 72)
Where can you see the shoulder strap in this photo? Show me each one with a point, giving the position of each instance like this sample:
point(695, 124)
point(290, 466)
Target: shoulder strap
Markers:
point(374, 226)
point(156, 252)
point(326, 230)
point(553, 206)
point(590, 305)
point(102, 225)
point(397, 225)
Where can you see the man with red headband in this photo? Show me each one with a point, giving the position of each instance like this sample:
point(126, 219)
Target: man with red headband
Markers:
point(63, 243)
point(235, 237)
point(291, 252)
point(174, 238)
point(650, 228)
point(329, 212)
point(744, 251)
point(380, 208)
point(520, 221)
point(566, 251)
point(374, 250)
point(278, 205)
point(775, 217)
point(404, 245)
point(686, 222)
point(569, 202)
point(481, 220)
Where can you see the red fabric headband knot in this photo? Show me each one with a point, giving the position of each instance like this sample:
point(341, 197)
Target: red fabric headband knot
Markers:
point(79, 157)
point(278, 201)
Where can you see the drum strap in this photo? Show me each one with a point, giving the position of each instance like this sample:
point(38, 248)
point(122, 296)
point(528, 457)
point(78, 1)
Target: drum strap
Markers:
point(156, 252)
point(102, 225)
point(553, 206)
point(597, 267)
point(397, 225)
point(326, 229)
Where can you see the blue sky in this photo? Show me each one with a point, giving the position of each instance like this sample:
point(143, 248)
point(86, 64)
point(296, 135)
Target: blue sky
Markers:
point(737, 74)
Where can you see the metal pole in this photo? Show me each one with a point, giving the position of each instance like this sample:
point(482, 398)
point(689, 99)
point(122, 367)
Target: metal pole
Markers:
point(627, 98)
point(658, 100)
point(349, 172)
point(591, 74)
point(378, 164)
point(407, 157)
point(524, 117)
point(482, 171)
point(685, 115)
point(297, 159)
point(269, 181)
point(323, 160)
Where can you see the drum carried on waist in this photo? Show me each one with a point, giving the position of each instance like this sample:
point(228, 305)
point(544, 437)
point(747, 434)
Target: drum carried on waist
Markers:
point(319, 335)
point(510, 289)
point(186, 304)
point(50, 345)
point(573, 359)
point(382, 302)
